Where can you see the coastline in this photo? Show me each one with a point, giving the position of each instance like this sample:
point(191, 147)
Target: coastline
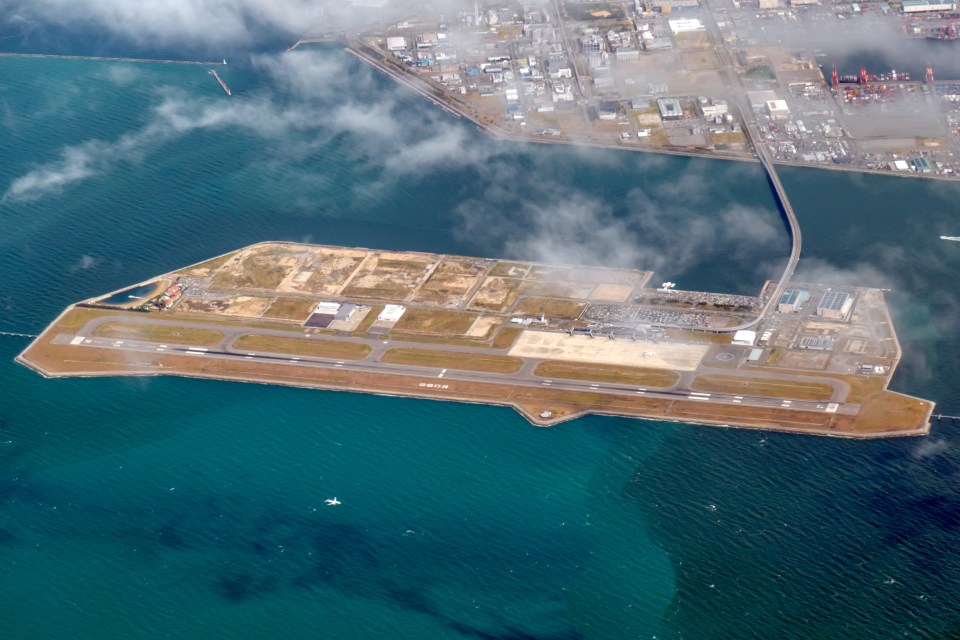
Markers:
point(443, 99)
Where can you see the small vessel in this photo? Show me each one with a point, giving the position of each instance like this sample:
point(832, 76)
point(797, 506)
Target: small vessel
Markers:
point(954, 238)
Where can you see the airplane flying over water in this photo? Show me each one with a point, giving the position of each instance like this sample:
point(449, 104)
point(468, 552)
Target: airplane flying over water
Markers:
point(332, 502)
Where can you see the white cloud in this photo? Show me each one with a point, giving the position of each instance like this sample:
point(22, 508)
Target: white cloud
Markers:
point(85, 262)
point(171, 22)
point(318, 100)
point(929, 448)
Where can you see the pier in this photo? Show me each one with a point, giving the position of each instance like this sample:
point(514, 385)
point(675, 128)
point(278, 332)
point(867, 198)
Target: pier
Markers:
point(105, 59)
point(14, 334)
point(940, 416)
point(223, 84)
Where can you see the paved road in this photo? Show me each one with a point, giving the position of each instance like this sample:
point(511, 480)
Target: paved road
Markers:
point(372, 363)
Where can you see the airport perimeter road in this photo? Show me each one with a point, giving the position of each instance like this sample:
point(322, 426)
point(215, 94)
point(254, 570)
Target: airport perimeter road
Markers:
point(372, 364)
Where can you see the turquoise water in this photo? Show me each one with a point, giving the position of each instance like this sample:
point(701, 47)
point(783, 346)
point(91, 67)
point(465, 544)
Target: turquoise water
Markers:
point(182, 508)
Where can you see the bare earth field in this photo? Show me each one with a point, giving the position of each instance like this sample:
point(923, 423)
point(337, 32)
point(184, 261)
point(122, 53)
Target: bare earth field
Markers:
point(579, 348)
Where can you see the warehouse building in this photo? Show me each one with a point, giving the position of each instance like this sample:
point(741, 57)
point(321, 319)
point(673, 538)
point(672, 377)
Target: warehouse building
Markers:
point(923, 6)
point(792, 300)
point(835, 304)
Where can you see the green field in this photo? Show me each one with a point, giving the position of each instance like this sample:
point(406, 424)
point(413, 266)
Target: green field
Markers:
point(453, 360)
point(606, 373)
point(303, 346)
point(159, 333)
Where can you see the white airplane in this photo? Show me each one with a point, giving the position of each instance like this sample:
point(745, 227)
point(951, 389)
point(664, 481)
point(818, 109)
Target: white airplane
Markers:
point(332, 502)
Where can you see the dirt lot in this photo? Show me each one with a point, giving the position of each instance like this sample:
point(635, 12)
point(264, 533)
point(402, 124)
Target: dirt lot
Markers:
point(484, 326)
point(496, 294)
point(439, 323)
point(297, 309)
point(328, 272)
point(611, 293)
point(556, 289)
point(243, 306)
point(450, 282)
point(699, 60)
point(510, 269)
point(550, 308)
point(253, 268)
point(389, 276)
point(579, 348)
point(809, 360)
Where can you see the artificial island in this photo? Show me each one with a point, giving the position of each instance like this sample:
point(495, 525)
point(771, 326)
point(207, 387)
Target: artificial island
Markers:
point(552, 341)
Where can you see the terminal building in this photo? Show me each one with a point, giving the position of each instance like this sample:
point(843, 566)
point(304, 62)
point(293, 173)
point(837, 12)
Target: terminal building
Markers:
point(835, 305)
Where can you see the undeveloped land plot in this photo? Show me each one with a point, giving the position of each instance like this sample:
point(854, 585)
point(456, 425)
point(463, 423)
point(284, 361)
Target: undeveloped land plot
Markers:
point(510, 269)
point(389, 276)
point(557, 289)
point(259, 267)
point(435, 322)
point(298, 309)
point(484, 326)
point(289, 268)
point(241, 306)
point(564, 309)
point(327, 272)
point(579, 348)
point(450, 282)
point(496, 294)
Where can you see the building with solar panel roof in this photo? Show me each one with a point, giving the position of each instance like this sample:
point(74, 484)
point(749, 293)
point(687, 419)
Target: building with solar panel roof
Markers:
point(835, 304)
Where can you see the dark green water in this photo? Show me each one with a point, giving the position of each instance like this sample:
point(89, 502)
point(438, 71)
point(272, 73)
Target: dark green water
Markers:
point(166, 507)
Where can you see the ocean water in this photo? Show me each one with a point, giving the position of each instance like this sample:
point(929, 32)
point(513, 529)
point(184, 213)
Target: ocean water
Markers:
point(183, 508)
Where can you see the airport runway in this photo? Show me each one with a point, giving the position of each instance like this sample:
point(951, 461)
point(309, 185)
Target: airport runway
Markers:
point(372, 364)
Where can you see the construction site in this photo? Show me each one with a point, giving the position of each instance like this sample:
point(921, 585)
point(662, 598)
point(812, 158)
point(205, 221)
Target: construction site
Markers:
point(552, 341)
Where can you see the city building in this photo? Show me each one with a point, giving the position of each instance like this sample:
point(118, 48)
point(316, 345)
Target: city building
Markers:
point(670, 109)
point(778, 109)
point(710, 109)
point(685, 25)
point(396, 43)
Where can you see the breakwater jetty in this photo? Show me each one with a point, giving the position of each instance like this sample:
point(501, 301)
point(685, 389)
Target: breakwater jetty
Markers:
point(14, 334)
point(105, 59)
point(223, 84)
